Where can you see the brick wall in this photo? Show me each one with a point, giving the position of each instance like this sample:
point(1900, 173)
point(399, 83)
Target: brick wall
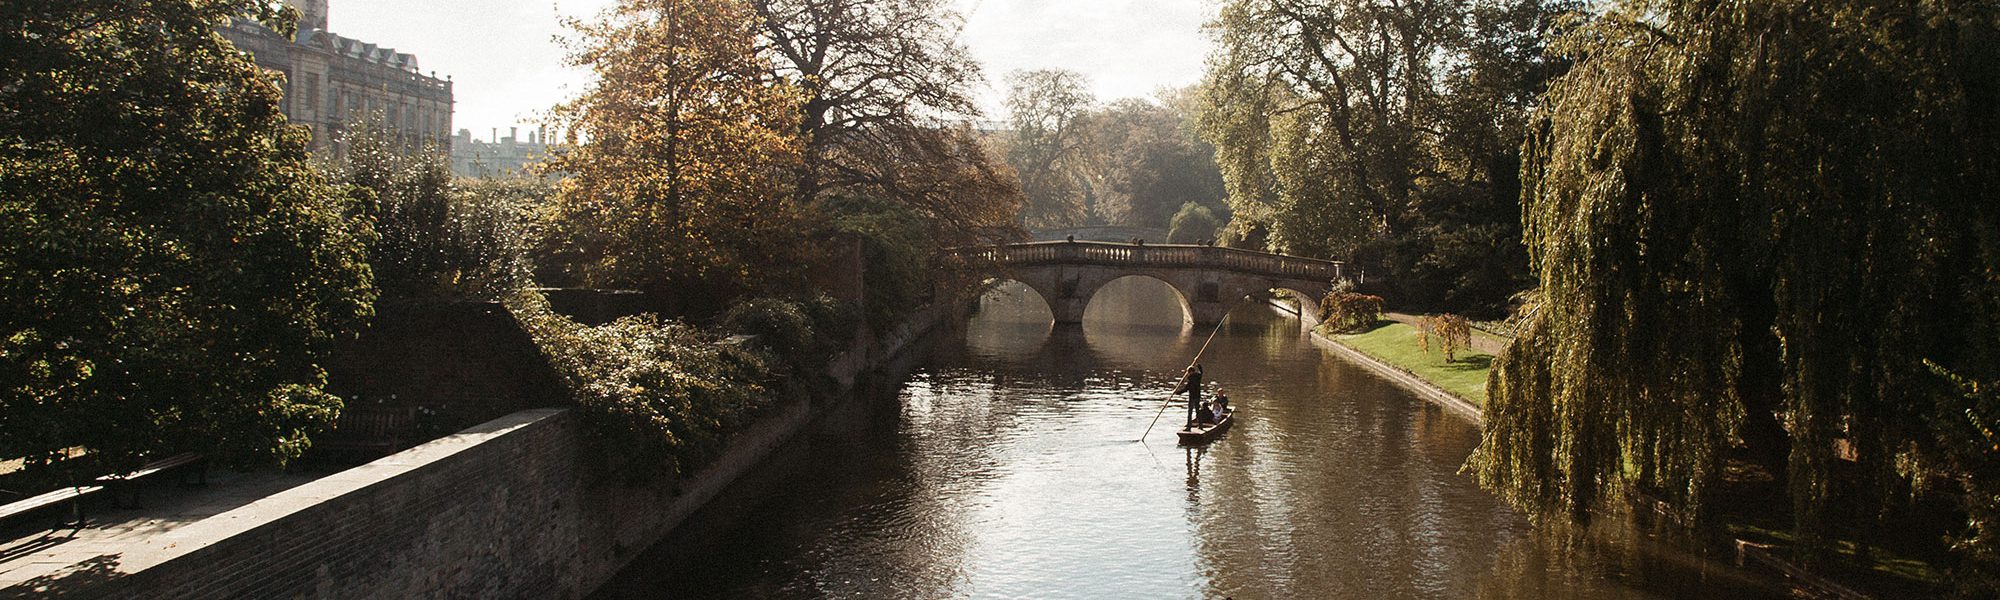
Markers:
point(490, 512)
point(424, 370)
point(505, 509)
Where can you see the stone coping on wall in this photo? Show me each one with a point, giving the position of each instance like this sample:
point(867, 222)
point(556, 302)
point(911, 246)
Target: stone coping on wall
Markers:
point(142, 554)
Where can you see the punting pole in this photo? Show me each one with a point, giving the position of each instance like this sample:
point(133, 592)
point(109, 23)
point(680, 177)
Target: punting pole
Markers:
point(1197, 360)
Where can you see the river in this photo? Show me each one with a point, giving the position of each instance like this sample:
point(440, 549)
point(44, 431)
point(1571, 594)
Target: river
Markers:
point(1006, 464)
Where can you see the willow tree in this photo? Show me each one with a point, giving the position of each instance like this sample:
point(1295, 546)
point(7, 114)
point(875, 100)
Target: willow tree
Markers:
point(1753, 223)
point(172, 268)
point(681, 151)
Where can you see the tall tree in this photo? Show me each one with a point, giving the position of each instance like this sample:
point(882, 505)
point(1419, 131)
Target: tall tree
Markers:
point(681, 151)
point(1048, 145)
point(1146, 163)
point(172, 267)
point(1755, 222)
point(1381, 132)
point(885, 106)
point(1343, 88)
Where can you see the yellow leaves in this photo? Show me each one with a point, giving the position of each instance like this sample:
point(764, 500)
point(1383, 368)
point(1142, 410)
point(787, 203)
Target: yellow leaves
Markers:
point(684, 132)
point(1452, 333)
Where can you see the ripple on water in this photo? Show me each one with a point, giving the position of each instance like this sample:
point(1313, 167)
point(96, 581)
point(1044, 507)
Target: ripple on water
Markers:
point(1011, 471)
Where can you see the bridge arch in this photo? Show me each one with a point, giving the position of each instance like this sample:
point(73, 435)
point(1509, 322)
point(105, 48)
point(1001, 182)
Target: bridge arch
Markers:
point(1204, 296)
point(1309, 304)
point(998, 285)
point(1181, 297)
point(1210, 280)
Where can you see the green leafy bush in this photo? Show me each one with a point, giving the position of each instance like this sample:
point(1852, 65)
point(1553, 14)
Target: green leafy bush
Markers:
point(804, 334)
point(836, 322)
point(1192, 224)
point(435, 238)
point(661, 396)
point(1966, 426)
point(1343, 311)
point(780, 325)
point(897, 245)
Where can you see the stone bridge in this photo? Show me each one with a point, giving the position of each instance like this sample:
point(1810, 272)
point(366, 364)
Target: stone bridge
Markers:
point(1209, 280)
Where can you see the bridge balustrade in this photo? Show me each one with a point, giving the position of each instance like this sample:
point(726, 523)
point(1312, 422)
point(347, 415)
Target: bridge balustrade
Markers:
point(1133, 255)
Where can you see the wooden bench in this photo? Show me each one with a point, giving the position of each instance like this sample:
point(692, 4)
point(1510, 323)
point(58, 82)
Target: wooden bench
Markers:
point(69, 496)
point(370, 430)
point(192, 467)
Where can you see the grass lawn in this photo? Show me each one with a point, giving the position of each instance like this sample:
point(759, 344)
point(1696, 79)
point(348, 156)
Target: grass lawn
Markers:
point(1396, 344)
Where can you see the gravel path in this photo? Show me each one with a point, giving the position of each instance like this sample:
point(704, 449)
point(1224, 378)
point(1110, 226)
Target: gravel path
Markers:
point(1481, 341)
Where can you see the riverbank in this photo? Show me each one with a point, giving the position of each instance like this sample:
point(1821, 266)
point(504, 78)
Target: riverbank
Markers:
point(1482, 341)
point(509, 508)
point(1463, 376)
point(1390, 350)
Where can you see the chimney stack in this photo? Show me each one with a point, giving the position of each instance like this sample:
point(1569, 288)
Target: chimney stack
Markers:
point(513, 134)
point(312, 14)
point(496, 135)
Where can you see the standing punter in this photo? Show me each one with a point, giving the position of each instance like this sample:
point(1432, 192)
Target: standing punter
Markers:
point(1191, 383)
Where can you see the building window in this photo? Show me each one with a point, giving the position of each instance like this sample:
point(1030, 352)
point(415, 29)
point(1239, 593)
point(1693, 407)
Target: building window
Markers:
point(310, 91)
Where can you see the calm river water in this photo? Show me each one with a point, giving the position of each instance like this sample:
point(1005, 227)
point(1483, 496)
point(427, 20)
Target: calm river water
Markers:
point(1006, 466)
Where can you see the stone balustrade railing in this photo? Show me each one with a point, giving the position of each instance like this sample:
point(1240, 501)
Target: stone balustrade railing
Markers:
point(1155, 256)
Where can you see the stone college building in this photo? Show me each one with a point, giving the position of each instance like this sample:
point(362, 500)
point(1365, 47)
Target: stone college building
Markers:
point(335, 84)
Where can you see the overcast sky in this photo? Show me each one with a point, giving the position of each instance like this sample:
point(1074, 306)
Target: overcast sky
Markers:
point(507, 67)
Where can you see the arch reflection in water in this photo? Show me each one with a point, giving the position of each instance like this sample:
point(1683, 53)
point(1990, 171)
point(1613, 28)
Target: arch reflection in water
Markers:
point(1005, 468)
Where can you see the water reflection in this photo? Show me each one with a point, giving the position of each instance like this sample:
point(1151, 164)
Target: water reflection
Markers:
point(1008, 467)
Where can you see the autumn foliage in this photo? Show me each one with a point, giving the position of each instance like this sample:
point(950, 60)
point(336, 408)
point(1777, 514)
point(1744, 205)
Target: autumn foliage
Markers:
point(1449, 332)
point(1343, 310)
point(682, 152)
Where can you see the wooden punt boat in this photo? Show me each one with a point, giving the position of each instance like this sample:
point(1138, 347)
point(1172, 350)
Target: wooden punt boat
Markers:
point(1202, 434)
